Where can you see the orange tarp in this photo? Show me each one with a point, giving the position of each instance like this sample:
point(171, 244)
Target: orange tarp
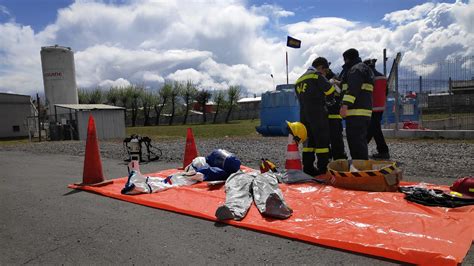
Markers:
point(376, 223)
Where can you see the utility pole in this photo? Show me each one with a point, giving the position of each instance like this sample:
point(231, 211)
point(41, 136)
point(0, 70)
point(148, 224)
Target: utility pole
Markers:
point(397, 100)
point(421, 103)
point(39, 116)
point(385, 62)
point(287, 82)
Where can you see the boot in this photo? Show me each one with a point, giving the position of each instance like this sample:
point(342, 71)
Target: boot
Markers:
point(308, 163)
point(276, 208)
point(381, 156)
point(224, 213)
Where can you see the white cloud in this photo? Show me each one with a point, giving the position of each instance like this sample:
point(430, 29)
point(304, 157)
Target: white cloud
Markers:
point(220, 43)
point(120, 82)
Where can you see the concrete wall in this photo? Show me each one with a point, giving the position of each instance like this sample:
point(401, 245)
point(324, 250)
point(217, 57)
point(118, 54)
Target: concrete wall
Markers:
point(110, 124)
point(14, 109)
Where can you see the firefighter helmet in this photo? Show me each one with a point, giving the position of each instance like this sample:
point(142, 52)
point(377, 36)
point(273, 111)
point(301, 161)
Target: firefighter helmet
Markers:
point(298, 130)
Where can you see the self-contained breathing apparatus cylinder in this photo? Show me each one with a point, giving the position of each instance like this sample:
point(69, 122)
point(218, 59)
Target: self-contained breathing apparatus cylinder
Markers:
point(135, 150)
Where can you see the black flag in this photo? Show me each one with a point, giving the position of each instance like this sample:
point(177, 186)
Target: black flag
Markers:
point(293, 43)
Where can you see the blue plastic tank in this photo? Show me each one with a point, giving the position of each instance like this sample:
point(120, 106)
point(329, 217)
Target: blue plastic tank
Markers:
point(409, 110)
point(277, 107)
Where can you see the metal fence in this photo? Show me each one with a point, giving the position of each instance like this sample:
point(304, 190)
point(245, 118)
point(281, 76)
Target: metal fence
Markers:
point(442, 93)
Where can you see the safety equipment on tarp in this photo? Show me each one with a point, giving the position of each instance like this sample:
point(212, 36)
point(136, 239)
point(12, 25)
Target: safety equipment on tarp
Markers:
point(243, 188)
point(267, 165)
point(137, 183)
point(298, 131)
point(433, 197)
point(367, 175)
point(224, 160)
point(133, 146)
point(462, 188)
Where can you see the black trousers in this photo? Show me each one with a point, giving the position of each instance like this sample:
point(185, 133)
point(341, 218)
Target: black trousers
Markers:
point(356, 130)
point(375, 131)
point(337, 141)
point(317, 144)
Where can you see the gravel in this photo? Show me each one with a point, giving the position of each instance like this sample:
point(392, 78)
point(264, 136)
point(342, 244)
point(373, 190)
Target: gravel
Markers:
point(420, 159)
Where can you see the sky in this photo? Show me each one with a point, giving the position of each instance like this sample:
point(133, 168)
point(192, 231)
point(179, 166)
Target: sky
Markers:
point(221, 43)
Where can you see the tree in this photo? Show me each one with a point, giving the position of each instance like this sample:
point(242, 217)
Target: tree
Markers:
point(135, 92)
point(219, 99)
point(163, 95)
point(189, 93)
point(83, 96)
point(124, 97)
point(177, 88)
point(233, 96)
point(113, 96)
point(202, 98)
point(96, 96)
point(147, 99)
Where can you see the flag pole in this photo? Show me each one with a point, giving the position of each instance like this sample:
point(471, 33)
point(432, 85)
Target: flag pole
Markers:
point(287, 67)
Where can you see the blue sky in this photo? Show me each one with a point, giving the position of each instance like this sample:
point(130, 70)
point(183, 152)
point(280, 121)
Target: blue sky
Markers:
point(39, 13)
point(221, 42)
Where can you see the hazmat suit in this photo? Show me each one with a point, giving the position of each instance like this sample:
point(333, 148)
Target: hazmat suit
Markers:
point(242, 187)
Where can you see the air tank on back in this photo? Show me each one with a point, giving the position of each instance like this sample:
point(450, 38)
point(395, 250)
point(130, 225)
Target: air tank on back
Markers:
point(59, 76)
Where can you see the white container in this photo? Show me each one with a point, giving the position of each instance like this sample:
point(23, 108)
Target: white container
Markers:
point(59, 76)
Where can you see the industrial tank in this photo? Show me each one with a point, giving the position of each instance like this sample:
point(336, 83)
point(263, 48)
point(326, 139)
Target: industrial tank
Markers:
point(59, 76)
point(277, 107)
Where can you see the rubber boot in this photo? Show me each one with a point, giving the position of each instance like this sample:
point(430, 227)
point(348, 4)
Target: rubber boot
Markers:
point(276, 208)
point(323, 160)
point(308, 163)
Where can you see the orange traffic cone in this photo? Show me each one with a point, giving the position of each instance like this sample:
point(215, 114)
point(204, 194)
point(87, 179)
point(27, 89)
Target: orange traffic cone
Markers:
point(293, 159)
point(190, 151)
point(92, 173)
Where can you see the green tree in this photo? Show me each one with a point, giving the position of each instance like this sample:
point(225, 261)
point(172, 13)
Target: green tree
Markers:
point(233, 95)
point(113, 96)
point(163, 96)
point(83, 96)
point(202, 98)
point(219, 99)
point(124, 96)
point(96, 96)
point(134, 91)
point(189, 93)
point(177, 90)
point(147, 99)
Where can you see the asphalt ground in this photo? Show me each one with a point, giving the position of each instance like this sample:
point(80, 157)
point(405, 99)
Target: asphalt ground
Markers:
point(44, 222)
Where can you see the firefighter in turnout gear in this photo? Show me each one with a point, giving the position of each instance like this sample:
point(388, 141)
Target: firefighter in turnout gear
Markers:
point(357, 103)
point(379, 97)
point(313, 90)
point(335, 120)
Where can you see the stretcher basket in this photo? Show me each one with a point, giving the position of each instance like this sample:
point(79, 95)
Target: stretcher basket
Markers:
point(371, 175)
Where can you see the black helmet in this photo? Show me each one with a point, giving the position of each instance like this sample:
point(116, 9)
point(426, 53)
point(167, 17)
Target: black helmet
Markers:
point(320, 61)
point(370, 62)
point(351, 54)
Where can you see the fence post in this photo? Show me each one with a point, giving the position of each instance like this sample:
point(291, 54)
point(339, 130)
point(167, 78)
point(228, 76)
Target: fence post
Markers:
point(397, 109)
point(39, 117)
point(450, 97)
point(420, 105)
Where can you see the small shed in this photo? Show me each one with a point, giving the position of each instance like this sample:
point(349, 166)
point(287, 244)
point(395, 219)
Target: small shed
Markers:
point(15, 110)
point(109, 119)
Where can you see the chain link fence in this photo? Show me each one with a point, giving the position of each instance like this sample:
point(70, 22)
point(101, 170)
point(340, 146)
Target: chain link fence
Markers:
point(435, 96)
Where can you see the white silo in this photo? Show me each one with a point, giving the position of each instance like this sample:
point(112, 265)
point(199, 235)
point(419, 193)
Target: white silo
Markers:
point(59, 76)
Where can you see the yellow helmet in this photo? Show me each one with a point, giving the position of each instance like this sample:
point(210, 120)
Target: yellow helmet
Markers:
point(298, 130)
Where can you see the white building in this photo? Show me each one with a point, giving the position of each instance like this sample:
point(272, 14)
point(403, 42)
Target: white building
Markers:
point(14, 111)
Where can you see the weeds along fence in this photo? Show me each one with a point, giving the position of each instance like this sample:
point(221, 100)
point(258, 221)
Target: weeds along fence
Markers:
point(442, 93)
point(197, 118)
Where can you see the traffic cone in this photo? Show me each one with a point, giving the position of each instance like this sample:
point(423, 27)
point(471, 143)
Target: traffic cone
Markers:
point(92, 173)
point(190, 151)
point(293, 158)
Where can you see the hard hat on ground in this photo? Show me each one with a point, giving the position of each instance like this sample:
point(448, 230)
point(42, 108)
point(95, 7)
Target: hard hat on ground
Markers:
point(298, 130)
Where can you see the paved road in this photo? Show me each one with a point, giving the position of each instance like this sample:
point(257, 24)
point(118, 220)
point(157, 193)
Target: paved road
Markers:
point(44, 222)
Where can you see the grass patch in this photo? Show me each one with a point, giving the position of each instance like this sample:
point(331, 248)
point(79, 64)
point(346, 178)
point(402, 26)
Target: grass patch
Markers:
point(428, 117)
point(241, 128)
point(15, 141)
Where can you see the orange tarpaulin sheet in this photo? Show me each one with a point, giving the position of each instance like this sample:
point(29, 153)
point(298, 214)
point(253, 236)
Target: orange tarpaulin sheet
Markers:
point(376, 223)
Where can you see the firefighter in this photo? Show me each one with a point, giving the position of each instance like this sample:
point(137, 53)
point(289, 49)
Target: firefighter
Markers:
point(313, 89)
point(379, 97)
point(357, 103)
point(335, 120)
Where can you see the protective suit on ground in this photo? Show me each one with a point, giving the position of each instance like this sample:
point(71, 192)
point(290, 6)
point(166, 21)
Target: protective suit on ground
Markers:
point(138, 183)
point(242, 187)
